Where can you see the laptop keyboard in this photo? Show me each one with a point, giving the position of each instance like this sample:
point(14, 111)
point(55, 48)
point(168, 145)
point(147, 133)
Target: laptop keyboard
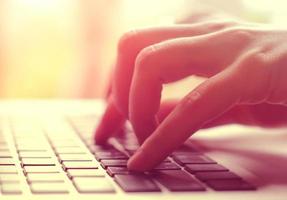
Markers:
point(46, 161)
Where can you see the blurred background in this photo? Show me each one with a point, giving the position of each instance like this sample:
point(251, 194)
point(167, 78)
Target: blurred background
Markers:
point(66, 48)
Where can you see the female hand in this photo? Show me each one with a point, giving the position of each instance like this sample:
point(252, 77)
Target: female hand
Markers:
point(245, 67)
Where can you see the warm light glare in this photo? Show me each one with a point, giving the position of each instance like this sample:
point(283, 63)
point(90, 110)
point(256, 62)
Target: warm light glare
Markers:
point(65, 48)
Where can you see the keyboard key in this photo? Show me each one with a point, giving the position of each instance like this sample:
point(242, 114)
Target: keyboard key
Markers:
point(4, 148)
point(80, 165)
point(32, 150)
point(2, 142)
point(8, 169)
point(205, 176)
point(9, 178)
point(48, 188)
point(118, 170)
point(35, 145)
point(11, 188)
point(5, 154)
point(102, 148)
point(185, 149)
point(177, 180)
point(74, 157)
point(25, 154)
point(193, 159)
point(110, 155)
point(41, 169)
point(93, 185)
point(70, 150)
point(131, 151)
point(136, 183)
point(61, 143)
point(37, 162)
point(230, 184)
point(85, 173)
point(166, 166)
point(45, 177)
point(6, 161)
point(193, 168)
point(113, 163)
point(64, 145)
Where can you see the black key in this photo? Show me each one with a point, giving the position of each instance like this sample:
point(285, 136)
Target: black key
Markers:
point(131, 152)
point(185, 149)
point(205, 176)
point(191, 153)
point(110, 155)
point(117, 170)
point(177, 180)
point(114, 163)
point(230, 184)
point(120, 170)
point(193, 159)
point(102, 148)
point(193, 168)
point(166, 165)
point(136, 183)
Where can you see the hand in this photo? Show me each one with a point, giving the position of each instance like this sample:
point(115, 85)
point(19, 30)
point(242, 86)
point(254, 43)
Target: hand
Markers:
point(245, 67)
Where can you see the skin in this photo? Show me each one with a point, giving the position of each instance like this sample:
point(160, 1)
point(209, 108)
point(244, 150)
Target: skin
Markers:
point(245, 67)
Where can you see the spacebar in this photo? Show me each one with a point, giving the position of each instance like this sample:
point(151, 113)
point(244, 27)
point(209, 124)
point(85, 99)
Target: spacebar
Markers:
point(136, 183)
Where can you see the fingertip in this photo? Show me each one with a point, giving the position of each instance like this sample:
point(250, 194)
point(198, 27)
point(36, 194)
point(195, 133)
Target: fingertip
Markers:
point(111, 122)
point(137, 162)
point(100, 135)
point(142, 161)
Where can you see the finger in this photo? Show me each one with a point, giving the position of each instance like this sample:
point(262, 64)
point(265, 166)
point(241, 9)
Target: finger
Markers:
point(109, 89)
point(165, 108)
point(110, 83)
point(205, 103)
point(110, 124)
point(129, 47)
point(133, 42)
point(170, 61)
point(263, 115)
point(233, 115)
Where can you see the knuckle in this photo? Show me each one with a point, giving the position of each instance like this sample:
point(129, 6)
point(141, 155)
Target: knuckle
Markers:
point(256, 61)
point(145, 57)
point(255, 71)
point(189, 100)
point(239, 34)
point(128, 40)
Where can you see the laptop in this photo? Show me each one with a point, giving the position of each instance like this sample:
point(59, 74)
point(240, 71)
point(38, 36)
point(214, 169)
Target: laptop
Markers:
point(47, 151)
